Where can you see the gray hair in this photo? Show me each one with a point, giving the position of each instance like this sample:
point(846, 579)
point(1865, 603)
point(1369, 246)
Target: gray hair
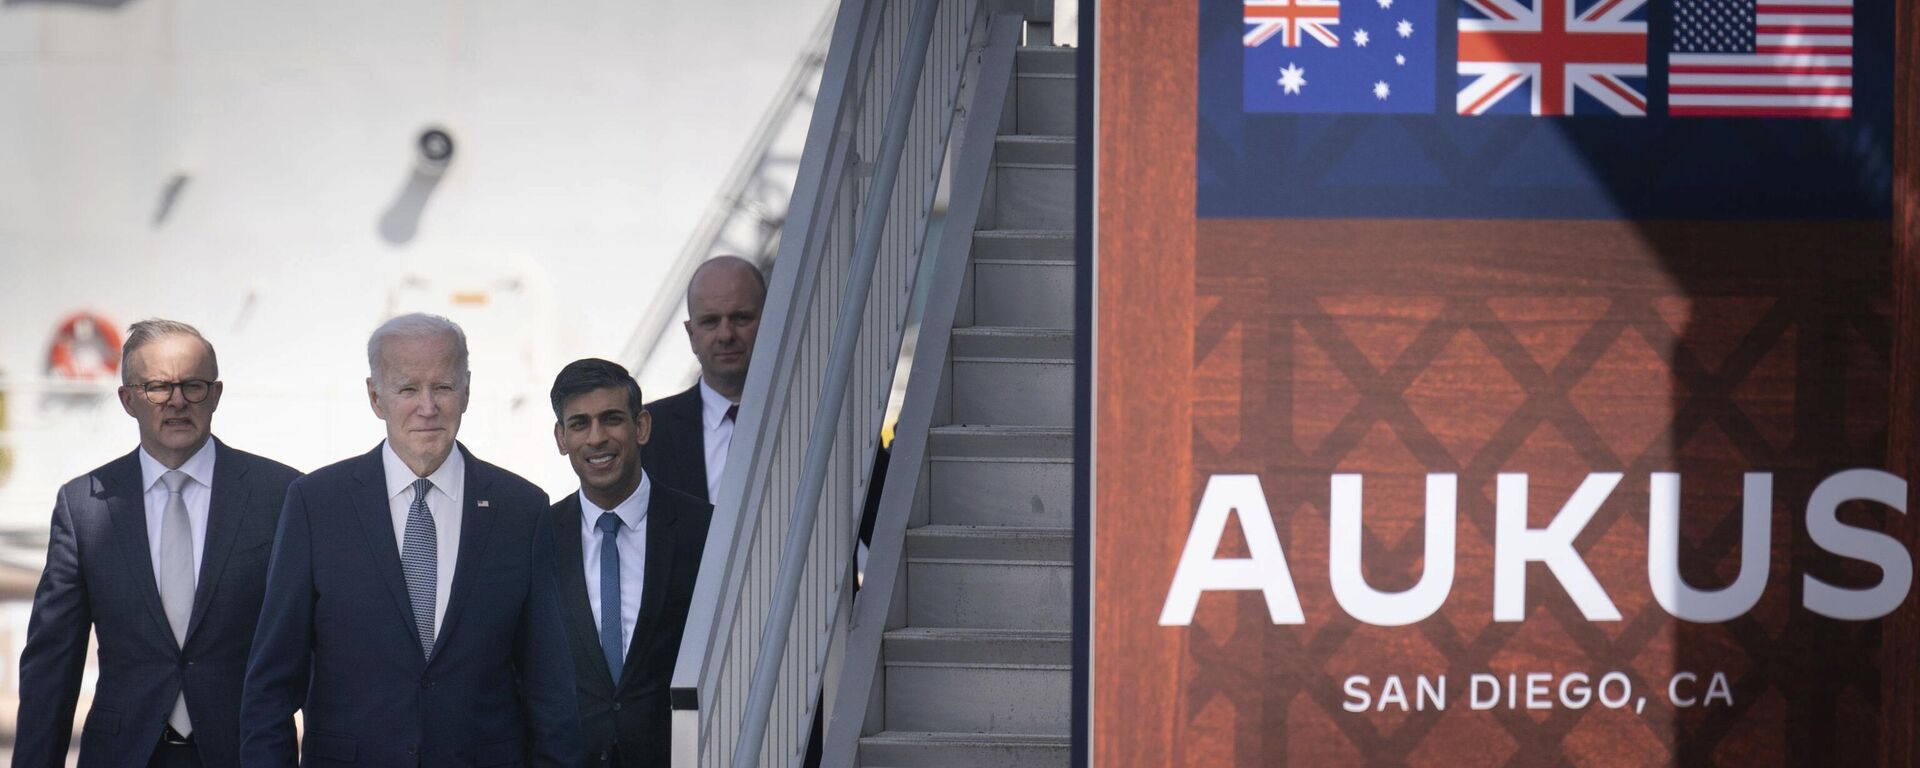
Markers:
point(416, 325)
point(154, 329)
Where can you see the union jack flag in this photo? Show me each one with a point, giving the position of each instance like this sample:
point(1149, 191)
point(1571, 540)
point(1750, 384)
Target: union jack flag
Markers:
point(1567, 57)
point(1292, 20)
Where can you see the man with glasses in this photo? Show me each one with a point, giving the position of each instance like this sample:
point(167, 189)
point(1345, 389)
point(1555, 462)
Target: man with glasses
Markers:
point(162, 555)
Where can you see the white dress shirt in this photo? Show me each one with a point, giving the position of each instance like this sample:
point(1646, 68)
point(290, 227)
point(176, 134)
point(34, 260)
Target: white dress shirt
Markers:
point(443, 503)
point(630, 541)
point(198, 496)
point(718, 430)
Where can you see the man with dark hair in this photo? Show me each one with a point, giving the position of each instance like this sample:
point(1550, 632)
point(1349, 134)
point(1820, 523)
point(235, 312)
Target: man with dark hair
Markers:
point(411, 612)
point(162, 555)
point(626, 554)
point(694, 429)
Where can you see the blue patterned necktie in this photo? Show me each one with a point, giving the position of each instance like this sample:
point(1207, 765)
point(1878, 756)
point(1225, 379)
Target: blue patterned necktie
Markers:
point(610, 618)
point(420, 559)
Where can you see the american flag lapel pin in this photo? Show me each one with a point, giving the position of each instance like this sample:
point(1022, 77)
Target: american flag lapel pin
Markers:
point(482, 503)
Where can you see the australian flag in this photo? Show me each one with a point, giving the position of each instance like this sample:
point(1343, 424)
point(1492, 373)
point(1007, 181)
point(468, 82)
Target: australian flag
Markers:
point(1339, 55)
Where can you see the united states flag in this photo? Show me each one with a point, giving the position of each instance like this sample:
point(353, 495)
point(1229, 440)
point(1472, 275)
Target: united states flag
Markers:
point(1292, 20)
point(1762, 58)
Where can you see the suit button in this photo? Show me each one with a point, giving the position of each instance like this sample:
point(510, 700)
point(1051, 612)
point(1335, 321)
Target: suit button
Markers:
point(616, 706)
point(603, 755)
point(412, 749)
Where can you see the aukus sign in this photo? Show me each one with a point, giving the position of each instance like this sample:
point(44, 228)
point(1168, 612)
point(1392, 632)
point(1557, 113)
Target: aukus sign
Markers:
point(1516, 544)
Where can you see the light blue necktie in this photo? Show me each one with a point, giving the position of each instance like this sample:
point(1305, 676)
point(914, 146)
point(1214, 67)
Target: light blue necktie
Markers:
point(420, 559)
point(610, 618)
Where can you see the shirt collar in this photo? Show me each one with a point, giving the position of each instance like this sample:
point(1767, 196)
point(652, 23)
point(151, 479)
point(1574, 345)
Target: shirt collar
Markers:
point(632, 511)
point(199, 467)
point(448, 478)
point(713, 406)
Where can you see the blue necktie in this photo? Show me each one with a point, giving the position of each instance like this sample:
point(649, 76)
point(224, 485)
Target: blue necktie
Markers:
point(610, 618)
point(420, 559)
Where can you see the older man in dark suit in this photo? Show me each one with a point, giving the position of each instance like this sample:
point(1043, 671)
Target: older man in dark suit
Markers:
point(162, 554)
point(693, 430)
point(410, 606)
point(626, 554)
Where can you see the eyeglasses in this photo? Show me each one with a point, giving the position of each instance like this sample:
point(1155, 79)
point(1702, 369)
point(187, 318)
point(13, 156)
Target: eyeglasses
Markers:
point(159, 392)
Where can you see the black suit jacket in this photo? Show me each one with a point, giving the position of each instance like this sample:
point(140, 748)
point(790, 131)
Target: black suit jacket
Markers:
point(632, 713)
point(336, 636)
point(99, 577)
point(676, 454)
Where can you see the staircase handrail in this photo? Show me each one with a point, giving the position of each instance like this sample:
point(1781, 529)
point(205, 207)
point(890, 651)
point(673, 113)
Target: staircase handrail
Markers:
point(773, 587)
point(972, 164)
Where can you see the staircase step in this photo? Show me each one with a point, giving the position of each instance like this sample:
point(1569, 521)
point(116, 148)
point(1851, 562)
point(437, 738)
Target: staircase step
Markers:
point(1005, 476)
point(1046, 94)
point(964, 750)
point(979, 681)
point(1033, 182)
point(1012, 376)
point(990, 578)
point(1023, 278)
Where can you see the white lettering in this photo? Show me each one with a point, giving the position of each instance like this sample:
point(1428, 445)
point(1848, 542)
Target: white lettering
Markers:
point(1199, 571)
point(1626, 690)
point(1673, 689)
point(1581, 692)
point(1358, 699)
point(1429, 691)
point(1515, 545)
point(1663, 552)
point(1394, 692)
point(1480, 683)
point(1350, 588)
point(1823, 525)
point(1717, 688)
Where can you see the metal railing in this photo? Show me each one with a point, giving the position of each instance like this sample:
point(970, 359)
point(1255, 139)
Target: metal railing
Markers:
point(776, 574)
point(972, 163)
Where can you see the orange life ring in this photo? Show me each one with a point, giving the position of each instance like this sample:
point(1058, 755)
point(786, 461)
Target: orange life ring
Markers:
point(85, 347)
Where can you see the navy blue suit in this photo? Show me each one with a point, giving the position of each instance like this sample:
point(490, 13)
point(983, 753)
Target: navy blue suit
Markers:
point(630, 716)
point(336, 634)
point(99, 577)
point(676, 452)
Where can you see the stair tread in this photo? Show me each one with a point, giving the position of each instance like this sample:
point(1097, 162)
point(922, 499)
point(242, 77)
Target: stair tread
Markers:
point(1034, 150)
point(1008, 344)
point(946, 737)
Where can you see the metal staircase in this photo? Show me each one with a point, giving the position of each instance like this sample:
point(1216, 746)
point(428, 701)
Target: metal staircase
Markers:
point(960, 650)
point(957, 649)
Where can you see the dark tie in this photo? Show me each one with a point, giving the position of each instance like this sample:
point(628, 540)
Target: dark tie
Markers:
point(610, 618)
point(420, 558)
point(732, 411)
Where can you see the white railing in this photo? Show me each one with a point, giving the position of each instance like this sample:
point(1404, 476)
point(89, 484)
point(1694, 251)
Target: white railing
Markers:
point(777, 570)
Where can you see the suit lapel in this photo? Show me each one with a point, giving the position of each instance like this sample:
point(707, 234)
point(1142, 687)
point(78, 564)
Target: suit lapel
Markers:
point(695, 426)
point(661, 516)
point(224, 516)
point(127, 508)
point(477, 516)
point(575, 608)
point(376, 521)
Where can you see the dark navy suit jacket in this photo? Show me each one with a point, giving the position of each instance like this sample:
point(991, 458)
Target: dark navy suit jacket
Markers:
point(632, 712)
point(99, 577)
point(676, 453)
point(336, 634)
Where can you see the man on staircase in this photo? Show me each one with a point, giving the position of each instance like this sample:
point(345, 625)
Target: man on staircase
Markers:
point(692, 430)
